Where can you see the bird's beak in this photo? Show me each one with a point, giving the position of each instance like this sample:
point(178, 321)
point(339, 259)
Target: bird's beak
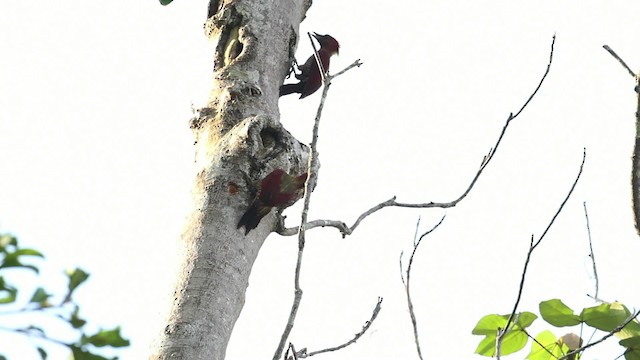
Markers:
point(315, 35)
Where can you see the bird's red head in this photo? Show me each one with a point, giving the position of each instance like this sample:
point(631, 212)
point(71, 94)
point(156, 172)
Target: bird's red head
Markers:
point(328, 42)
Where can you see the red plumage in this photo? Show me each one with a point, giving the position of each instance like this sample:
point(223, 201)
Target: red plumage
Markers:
point(277, 189)
point(310, 76)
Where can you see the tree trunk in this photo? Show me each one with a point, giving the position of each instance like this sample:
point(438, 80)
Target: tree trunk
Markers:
point(238, 140)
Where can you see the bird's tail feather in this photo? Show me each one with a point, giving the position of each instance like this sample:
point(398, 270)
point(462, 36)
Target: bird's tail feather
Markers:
point(252, 217)
point(287, 89)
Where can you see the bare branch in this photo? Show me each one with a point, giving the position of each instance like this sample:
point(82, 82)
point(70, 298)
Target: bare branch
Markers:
point(415, 237)
point(291, 350)
point(591, 254)
point(33, 332)
point(309, 184)
point(624, 64)
point(416, 243)
point(313, 224)
point(392, 202)
point(303, 353)
point(354, 64)
point(533, 245)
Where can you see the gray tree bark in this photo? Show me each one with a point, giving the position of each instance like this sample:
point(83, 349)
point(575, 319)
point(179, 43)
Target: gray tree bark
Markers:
point(238, 140)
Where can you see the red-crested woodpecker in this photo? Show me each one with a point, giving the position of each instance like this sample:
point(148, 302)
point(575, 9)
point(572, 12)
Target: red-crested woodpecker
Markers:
point(278, 189)
point(310, 77)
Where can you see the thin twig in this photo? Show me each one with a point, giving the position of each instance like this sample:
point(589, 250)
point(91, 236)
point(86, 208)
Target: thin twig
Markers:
point(608, 335)
point(591, 254)
point(346, 230)
point(407, 284)
point(34, 333)
point(291, 349)
point(354, 64)
point(624, 64)
point(309, 184)
point(415, 237)
point(303, 353)
point(27, 310)
point(532, 246)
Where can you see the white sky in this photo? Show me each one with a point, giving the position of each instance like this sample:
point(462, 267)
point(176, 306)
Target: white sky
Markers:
point(96, 158)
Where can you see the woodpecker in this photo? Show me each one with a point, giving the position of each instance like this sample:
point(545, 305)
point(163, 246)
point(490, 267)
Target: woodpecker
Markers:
point(310, 77)
point(278, 189)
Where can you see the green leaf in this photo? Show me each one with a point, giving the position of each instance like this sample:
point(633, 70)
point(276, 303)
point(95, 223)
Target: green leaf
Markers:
point(81, 354)
point(556, 313)
point(545, 347)
point(41, 297)
point(106, 338)
point(76, 321)
point(7, 240)
point(633, 348)
point(605, 317)
point(165, 2)
point(631, 330)
point(76, 277)
point(7, 292)
point(28, 252)
point(8, 297)
point(513, 341)
point(631, 342)
point(632, 355)
point(608, 316)
point(43, 353)
point(489, 324)
point(12, 259)
point(487, 346)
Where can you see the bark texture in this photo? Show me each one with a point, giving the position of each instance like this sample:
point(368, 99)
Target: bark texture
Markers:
point(238, 140)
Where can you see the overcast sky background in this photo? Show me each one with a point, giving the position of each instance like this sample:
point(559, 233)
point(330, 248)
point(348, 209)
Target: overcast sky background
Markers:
point(96, 158)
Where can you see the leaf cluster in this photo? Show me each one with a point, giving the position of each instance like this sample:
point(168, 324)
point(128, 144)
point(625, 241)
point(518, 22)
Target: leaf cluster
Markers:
point(607, 317)
point(41, 301)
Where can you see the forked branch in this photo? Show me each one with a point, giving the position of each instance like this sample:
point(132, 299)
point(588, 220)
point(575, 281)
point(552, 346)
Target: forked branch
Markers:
point(407, 281)
point(532, 246)
point(304, 353)
point(348, 230)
